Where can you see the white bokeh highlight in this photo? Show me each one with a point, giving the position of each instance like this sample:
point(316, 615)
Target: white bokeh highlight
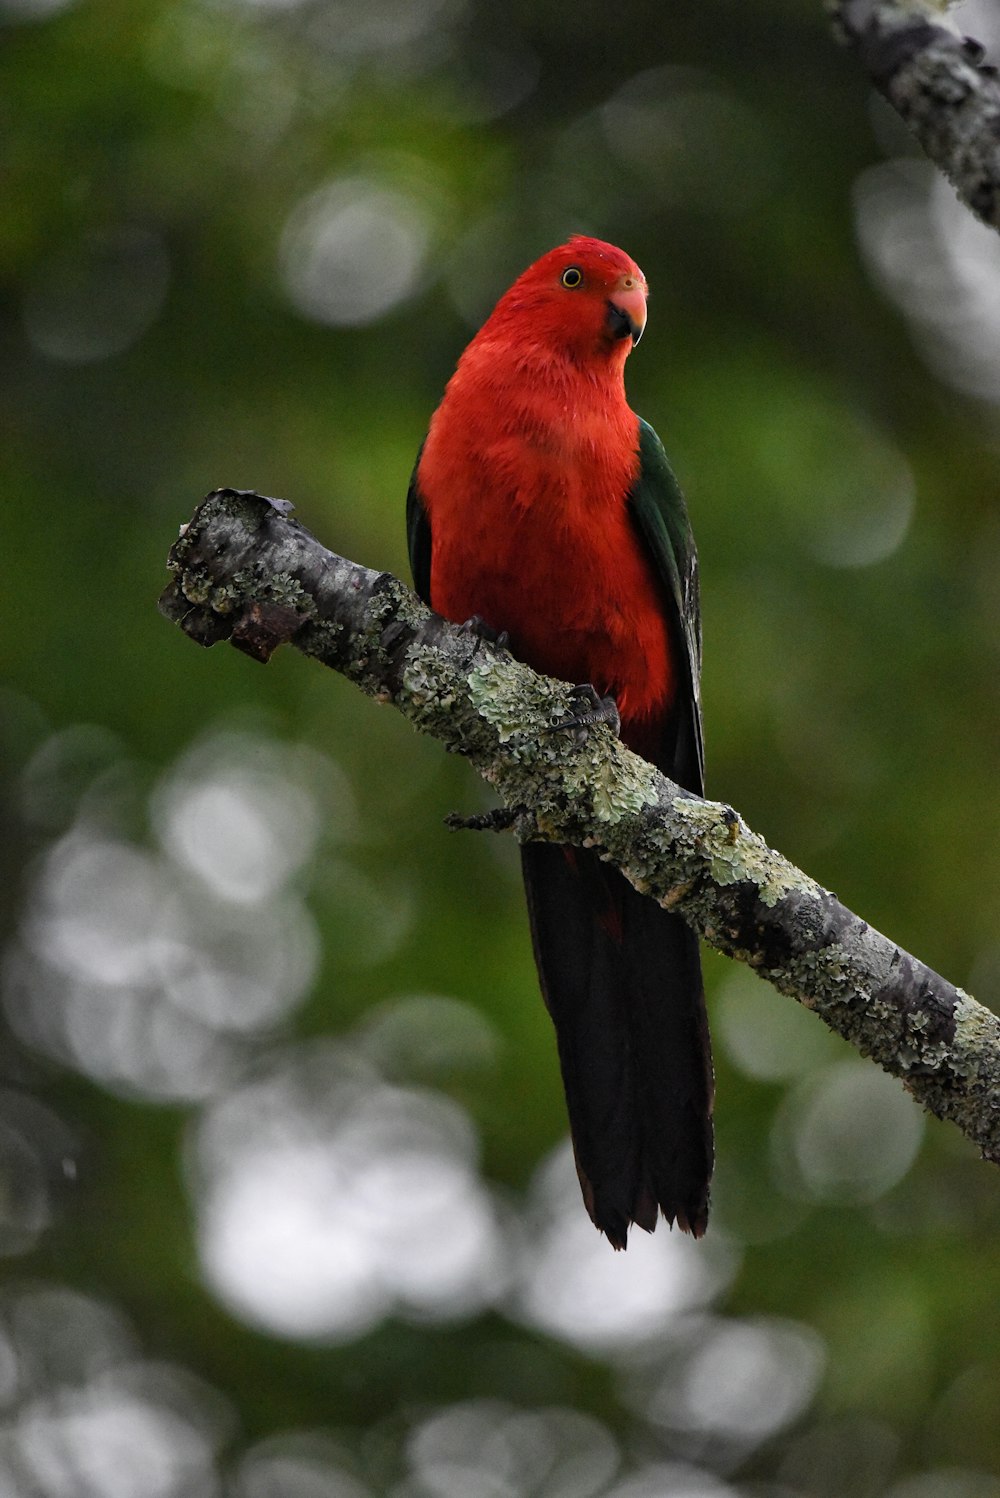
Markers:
point(245, 814)
point(328, 1200)
point(746, 1380)
point(303, 1464)
point(486, 1448)
point(764, 1036)
point(848, 1135)
point(574, 1287)
point(82, 1413)
point(354, 250)
point(939, 264)
point(672, 1480)
point(151, 968)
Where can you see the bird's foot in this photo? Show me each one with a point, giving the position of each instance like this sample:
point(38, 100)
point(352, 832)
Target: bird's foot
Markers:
point(498, 820)
point(484, 634)
point(594, 709)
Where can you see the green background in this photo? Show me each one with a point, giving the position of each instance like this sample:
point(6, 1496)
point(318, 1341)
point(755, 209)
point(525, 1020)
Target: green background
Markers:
point(285, 1203)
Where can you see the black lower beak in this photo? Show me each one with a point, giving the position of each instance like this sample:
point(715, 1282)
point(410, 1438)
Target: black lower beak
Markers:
point(620, 325)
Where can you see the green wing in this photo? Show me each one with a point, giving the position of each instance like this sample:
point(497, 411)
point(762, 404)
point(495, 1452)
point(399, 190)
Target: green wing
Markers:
point(660, 515)
point(418, 536)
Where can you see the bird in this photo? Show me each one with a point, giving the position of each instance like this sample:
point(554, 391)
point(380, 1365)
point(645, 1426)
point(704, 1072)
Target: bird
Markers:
point(545, 511)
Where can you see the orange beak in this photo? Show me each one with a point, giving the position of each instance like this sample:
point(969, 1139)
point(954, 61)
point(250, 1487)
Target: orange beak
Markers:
point(627, 309)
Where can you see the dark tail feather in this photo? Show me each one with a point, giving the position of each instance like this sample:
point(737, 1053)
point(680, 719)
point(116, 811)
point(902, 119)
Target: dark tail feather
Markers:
point(622, 981)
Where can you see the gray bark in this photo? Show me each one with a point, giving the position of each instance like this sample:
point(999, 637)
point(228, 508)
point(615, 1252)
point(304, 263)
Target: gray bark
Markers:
point(246, 572)
point(939, 85)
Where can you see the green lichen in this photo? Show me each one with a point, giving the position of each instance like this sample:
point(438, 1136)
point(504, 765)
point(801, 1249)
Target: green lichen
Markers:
point(425, 698)
point(498, 696)
point(321, 639)
point(200, 588)
point(925, 1059)
point(403, 606)
point(611, 784)
point(616, 785)
point(820, 978)
point(736, 855)
point(196, 585)
point(977, 1030)
point(285, 589)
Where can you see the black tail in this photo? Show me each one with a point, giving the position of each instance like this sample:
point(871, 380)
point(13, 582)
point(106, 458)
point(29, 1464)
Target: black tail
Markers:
point(621, 979)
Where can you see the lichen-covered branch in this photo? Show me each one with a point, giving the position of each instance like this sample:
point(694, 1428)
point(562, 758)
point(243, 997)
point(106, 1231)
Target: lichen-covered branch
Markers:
point(245, 571)
point(940, 86)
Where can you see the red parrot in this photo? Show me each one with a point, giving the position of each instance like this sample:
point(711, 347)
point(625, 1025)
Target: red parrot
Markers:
point(543, 507)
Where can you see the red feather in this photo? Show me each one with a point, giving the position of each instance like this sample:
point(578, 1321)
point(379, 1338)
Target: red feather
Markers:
point(525, 474)
point(524, 482)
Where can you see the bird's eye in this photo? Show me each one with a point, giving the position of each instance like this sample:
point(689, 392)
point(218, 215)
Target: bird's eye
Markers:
point(572, 276)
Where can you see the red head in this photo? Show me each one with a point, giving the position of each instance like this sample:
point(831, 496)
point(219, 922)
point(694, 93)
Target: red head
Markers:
point(585, 298)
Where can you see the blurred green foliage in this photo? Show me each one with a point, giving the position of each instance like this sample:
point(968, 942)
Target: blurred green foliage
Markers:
point(243, 243)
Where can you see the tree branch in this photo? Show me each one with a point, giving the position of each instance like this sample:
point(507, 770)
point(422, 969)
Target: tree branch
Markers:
point(937, 82)
point(245, 572)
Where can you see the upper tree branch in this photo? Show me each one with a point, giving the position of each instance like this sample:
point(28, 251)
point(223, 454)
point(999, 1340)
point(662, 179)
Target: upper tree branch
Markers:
point(246, 572)
point(938, 83)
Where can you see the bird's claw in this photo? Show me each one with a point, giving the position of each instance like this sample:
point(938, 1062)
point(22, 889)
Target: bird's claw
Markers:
point(598, 710)
point(498, 820)
point(484, 634)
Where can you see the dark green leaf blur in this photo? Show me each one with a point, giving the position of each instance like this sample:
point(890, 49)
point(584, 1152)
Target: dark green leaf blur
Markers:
point(286, 1204)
